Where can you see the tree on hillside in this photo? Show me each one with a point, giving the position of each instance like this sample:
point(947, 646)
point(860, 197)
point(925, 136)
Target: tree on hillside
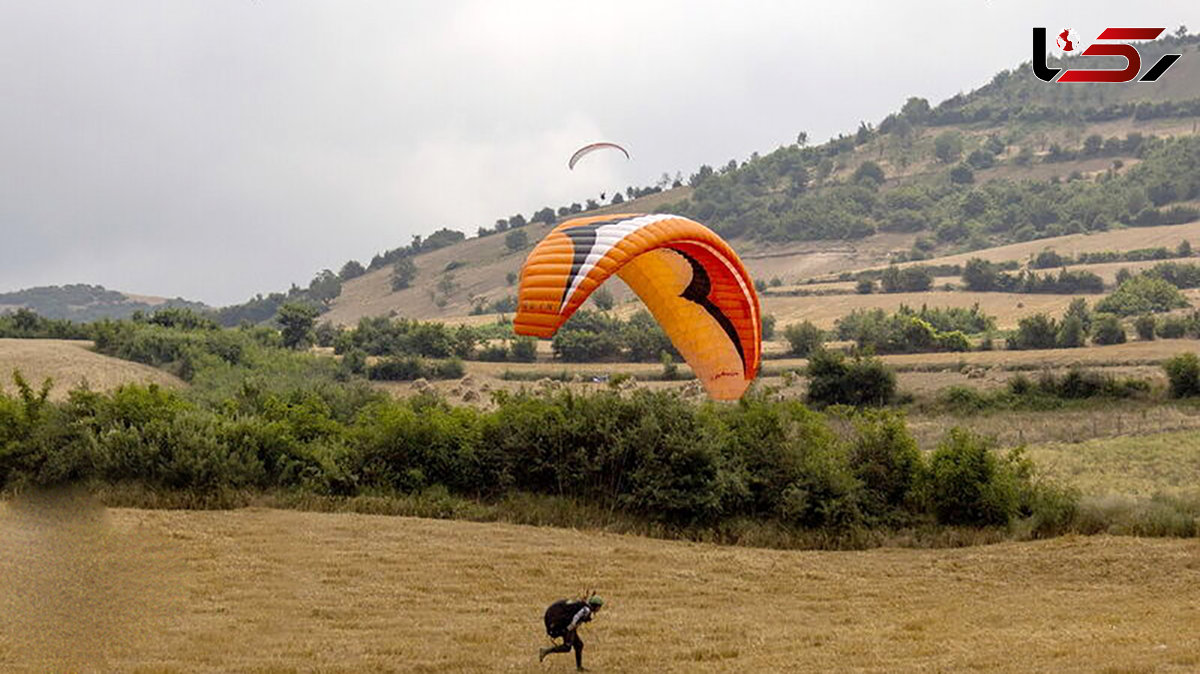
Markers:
point(325, 287)
point(948, 146)
point(979, 275)
point(1108, 330)
point(1140, 295)
point(296, 322)
point(516, 240)
point(447, 283)
point(916, 110)
point(403, 273)
point(803, 338)
point(962, 175)
point(352, 269)
point(869, 172)
point(1079, 309)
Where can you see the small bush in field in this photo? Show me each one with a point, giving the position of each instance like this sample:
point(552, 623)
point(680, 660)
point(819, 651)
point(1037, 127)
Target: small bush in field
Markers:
point(834, 380)
point(968, 484)
point(1183, 371)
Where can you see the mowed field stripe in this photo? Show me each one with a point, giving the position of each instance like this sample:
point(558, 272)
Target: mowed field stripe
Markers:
point(275, 591)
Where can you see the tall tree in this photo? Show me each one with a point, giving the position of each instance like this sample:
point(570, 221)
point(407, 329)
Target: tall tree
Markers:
point(296, 322)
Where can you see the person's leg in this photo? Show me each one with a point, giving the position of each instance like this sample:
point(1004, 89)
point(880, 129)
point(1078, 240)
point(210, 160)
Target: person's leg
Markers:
point(578, 653)
point(564, 647)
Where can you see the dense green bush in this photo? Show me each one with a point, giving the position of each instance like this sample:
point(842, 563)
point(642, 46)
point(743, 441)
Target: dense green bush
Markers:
point(408, 368)
point(1038, 331)
point(909, 331)
point(1145, 326)
point(887, 462)
point(1071, 333)
point(981, 276)
point(1108, 330)
point(969, 484)
point(649, 454)
point(1174, 327)
point(803, 338)
point(861, 380)
point(913, 279)
point(1183, 371)
point(26, 324)
point(1140, 295)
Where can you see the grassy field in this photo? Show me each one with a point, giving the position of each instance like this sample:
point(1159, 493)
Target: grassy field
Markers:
point(69, 363)
point(1163, 463)
point(274, 591)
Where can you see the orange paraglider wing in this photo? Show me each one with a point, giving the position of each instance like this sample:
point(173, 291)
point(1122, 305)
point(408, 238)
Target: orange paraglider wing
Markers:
point(690, 279)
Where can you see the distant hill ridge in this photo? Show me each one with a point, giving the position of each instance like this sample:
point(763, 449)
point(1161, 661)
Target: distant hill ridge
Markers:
point(82, 302)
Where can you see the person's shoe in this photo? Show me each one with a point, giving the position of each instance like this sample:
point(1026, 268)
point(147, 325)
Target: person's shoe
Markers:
point(542, 653)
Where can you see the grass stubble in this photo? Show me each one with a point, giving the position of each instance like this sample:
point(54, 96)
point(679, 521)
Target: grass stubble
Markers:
point(262, 590)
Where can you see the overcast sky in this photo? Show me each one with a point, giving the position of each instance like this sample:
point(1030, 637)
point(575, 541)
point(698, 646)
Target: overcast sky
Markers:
point(218, 148)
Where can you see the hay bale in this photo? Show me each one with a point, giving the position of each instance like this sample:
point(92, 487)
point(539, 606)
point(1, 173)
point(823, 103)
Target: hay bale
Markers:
point(470, 396)
point(467, 381)
point(420, 384)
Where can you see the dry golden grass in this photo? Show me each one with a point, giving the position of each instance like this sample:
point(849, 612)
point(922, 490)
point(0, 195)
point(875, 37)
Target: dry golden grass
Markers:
point(277, 591)
point(70, 363)
point(1161, 463)
point(1061, 427)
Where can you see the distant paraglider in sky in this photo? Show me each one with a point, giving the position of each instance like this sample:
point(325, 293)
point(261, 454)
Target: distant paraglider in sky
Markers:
point(588, 149)
point(690, 279)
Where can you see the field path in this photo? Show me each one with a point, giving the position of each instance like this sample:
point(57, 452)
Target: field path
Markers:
point(277, 591)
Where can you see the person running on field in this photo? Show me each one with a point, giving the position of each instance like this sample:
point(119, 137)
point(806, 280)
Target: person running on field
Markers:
point(563, 619)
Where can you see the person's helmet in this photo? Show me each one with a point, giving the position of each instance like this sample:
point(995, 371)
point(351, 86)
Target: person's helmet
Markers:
point(595, 601)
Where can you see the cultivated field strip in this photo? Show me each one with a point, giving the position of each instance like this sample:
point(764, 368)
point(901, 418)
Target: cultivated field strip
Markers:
point(278, 591)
